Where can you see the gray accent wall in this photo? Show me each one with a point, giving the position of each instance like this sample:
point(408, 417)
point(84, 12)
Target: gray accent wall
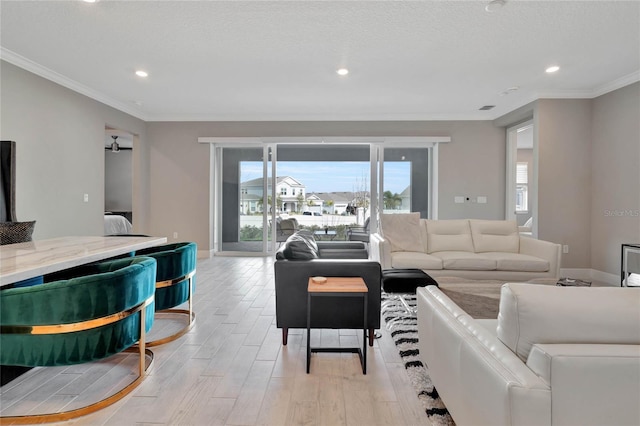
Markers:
point(564, 176)
point(615, 165)
point(59, 135)
point(472, 163)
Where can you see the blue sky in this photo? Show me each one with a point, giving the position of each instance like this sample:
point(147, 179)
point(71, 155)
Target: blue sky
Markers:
point(331, 176)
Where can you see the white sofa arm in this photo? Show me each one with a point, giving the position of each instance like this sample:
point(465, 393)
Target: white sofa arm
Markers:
point(543, 249)
point(590, 384)
point(380, 250)
point(478, 378)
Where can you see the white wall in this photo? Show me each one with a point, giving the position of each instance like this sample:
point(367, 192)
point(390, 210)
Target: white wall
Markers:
point(60, 154)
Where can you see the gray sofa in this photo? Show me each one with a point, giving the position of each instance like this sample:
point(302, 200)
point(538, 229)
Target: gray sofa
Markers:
point(299, 258)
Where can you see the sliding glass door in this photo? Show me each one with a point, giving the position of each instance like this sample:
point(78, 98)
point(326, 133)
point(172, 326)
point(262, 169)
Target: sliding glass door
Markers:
point(324, 188)
point(246, 203)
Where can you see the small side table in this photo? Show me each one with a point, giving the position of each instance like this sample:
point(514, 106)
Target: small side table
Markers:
point(339, 287)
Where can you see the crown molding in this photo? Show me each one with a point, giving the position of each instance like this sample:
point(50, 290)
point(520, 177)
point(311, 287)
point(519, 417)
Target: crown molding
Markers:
point(320, 117)
point(617, 84)
point(595, 92)
point(44, 72)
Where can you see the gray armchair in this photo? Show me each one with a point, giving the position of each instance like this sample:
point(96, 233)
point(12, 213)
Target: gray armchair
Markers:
point(285, 228)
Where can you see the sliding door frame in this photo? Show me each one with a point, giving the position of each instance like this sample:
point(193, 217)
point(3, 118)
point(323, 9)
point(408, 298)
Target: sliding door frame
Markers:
point(270, 145)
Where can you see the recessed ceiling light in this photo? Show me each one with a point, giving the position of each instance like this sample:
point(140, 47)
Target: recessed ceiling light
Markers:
point(141, 73)
point(553, 68)
point(342, 71)
point(494, 5)
point(90, 1)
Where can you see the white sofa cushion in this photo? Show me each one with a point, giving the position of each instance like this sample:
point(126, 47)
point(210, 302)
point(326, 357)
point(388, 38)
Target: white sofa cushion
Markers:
point(463, 260)
point(413, 259)
point(495, 235)
point(403, 231)
point(518, 262)
point(531, 313)
point(448, 235)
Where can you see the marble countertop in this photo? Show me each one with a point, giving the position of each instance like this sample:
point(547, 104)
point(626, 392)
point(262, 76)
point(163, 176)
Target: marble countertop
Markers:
point(27, 260)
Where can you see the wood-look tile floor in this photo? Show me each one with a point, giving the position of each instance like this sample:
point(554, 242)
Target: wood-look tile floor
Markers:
point(231, 368)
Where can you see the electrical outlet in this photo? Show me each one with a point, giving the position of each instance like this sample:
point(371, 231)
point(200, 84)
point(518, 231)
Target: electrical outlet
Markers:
point(175, 235)
point(565, 248)
point(86, 198)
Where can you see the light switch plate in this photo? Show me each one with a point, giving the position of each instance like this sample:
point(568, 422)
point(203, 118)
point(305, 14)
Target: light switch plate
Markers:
point(458, 200)
point(482, 200)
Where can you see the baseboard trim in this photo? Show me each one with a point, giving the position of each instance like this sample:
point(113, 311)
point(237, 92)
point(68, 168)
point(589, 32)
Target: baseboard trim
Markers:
point(606, 277)
point(208, 254)
point(241, 254)
point(591, 275)
point(205, 254)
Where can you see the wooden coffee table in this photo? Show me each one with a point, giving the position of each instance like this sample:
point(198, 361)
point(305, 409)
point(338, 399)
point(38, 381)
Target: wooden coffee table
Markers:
point(339, 287)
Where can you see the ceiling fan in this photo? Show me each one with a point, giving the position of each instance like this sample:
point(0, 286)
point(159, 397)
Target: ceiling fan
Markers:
point(115, 146)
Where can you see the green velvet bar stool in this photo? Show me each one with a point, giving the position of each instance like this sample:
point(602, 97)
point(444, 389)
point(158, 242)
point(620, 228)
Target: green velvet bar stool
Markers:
point(175, 284)
point(105, 309)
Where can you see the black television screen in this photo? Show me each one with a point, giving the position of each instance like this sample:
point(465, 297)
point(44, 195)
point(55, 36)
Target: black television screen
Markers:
point(7, 181)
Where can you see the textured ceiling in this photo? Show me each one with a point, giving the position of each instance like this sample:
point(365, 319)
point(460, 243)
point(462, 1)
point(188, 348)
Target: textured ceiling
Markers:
point(276, 60)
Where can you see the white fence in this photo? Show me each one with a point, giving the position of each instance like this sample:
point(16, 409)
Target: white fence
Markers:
point(305, 220)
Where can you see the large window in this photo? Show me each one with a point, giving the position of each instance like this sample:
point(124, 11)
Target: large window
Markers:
point(522, 188)
point(405, 187)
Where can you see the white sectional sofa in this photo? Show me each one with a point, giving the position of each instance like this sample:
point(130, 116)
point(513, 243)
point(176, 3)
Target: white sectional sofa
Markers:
point(555, 356)
point(468, 248)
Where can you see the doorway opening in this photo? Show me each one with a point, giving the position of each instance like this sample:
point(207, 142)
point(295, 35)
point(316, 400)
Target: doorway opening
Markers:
point(521, 184)
point(118, 181)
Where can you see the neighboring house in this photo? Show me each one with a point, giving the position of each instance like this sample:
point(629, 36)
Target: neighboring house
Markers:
point(287, 192)
point(313, 203)
point(250, 203)
point(334, 202)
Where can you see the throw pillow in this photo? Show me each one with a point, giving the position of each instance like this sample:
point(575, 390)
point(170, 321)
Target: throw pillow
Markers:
point(308, 236)
point(299, 247)
point(403, 231)
point(16, 232)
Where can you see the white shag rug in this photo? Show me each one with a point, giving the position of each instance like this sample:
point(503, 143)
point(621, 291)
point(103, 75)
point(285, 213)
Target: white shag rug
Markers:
point(404, 332)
